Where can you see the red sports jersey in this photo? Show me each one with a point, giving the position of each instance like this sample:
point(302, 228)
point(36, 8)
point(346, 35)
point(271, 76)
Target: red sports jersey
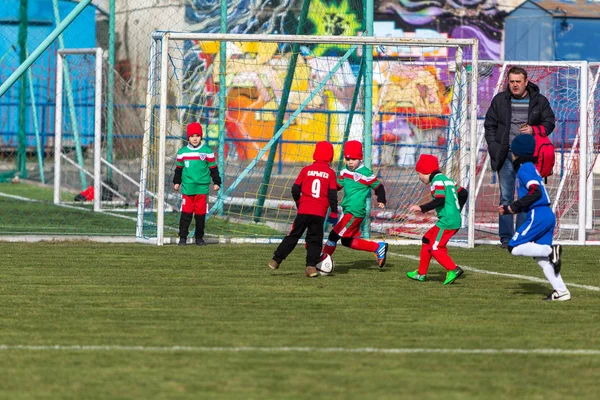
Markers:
point(315, 181)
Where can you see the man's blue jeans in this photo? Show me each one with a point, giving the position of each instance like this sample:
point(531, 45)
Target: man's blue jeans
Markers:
point(507, 178)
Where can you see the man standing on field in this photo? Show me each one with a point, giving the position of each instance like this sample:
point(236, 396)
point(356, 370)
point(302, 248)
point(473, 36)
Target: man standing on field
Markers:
point(519, 110)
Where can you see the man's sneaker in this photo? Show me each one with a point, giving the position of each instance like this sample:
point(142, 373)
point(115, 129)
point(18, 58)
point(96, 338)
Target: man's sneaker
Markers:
point(200, 242)
point(273, 264)
point(504, 245)
point(381, 254)
point(416, 276)
point(452, 275)
point(182, 242)
point(555, 258)
point(559, 296)
point(311, 272)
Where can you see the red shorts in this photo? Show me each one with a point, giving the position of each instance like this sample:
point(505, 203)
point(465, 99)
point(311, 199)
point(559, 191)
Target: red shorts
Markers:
point(194, 204)
point(348, 226)
point(438, 237)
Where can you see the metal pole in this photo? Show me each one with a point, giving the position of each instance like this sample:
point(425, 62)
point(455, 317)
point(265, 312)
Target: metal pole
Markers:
point(71, 103)
point(58, 127)
point(222, 105)
point(36, 128)
point(43, 46)
point(473, 149)
point(141, 207)
point(583, 149)
point(368, 127)
point(21, 164)
point(162, 139)
point(287, 85)
point(98, 131)
point(110, 90)
point(361, 73)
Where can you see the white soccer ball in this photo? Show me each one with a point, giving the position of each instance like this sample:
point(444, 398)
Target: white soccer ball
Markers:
point(325, 267)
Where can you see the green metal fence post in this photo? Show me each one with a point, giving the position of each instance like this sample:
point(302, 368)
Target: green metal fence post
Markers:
point(21, 164)
point(287, 85)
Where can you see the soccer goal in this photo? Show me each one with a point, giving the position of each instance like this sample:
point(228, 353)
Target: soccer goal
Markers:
point(265, 100)
point(569, 86)
point(85, 177)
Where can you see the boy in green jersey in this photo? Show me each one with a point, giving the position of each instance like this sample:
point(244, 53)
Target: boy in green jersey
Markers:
point(447, 201)
point(196, 166)
point(357, 181)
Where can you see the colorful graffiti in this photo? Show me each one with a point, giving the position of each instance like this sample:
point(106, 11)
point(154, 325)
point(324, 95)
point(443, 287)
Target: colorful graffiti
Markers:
point(408, 100)
point(405, 98)
point(459, 19)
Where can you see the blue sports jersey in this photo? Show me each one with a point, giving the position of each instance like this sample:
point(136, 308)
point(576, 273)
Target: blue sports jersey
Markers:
point(528, 175)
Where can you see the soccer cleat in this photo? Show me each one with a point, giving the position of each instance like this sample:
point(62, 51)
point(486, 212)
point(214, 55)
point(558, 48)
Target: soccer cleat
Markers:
point(559, 296)
point(555, 258)
point(311, 272)
point(381, 254)
point(200, 242)
point(452, 275)
point(416, 276)
point(182, 242)
point(273, 264)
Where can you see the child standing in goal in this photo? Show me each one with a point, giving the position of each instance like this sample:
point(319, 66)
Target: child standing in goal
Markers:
point(448, 201)
point(357, 181)
point(314, 191)
point(195, 167)
point(534, 236)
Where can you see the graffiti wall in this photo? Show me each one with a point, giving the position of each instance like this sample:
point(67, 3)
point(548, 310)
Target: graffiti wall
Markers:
point(408, 100)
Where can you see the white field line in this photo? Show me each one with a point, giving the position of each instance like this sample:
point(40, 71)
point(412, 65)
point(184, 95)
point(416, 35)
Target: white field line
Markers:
point(516, 276)
point(200, 349)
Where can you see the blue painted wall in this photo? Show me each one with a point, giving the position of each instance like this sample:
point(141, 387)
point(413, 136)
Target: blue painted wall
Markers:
point(81, 33)
point(528, 33)
point(531, 33)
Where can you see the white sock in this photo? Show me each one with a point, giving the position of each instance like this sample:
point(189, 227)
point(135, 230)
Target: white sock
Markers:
point(532, 250)
point(555, 280)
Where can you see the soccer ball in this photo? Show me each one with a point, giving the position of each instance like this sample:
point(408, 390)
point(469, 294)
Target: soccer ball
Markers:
point(325, 266)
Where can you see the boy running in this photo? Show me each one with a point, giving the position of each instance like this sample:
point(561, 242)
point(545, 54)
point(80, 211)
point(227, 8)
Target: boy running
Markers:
point(447, 201)
point(534, 236)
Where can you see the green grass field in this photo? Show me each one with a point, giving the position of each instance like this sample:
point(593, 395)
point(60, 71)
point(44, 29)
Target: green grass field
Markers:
point(83, 320)
point(27, 209)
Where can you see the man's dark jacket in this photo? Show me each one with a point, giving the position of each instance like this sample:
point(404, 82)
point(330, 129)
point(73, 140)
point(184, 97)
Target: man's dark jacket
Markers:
point(497, 122)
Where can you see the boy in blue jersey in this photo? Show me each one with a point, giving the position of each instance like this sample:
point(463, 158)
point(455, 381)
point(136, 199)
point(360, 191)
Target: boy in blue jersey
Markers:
point(534, 236)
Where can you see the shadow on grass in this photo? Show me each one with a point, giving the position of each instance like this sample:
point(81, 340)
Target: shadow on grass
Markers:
point(343, 268)
point(533, 289)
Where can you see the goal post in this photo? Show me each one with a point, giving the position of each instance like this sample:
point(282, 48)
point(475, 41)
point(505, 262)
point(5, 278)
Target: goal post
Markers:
point(63, 81)
point(79, 120)
point(424, 100)
point(566, 84)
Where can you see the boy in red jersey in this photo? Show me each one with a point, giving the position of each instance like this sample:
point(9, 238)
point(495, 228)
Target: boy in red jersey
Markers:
point(313, 191)
point(448, 200)
point(196, 166)
point(357, 181)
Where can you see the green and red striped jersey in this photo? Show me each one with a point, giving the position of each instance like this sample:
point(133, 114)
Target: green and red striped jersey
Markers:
point(449, 213)
point(196, 164)
point(357, 186)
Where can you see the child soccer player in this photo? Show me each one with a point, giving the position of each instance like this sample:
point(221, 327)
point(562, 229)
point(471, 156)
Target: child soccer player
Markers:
point(313, 191)
point(195, 167)
point(357, 181)
point(447, 202)
point(534, 236)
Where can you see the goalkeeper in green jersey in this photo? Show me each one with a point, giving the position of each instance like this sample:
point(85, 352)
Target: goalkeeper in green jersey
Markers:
point(196, 166)
point(448, 200)
point(357, 181)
